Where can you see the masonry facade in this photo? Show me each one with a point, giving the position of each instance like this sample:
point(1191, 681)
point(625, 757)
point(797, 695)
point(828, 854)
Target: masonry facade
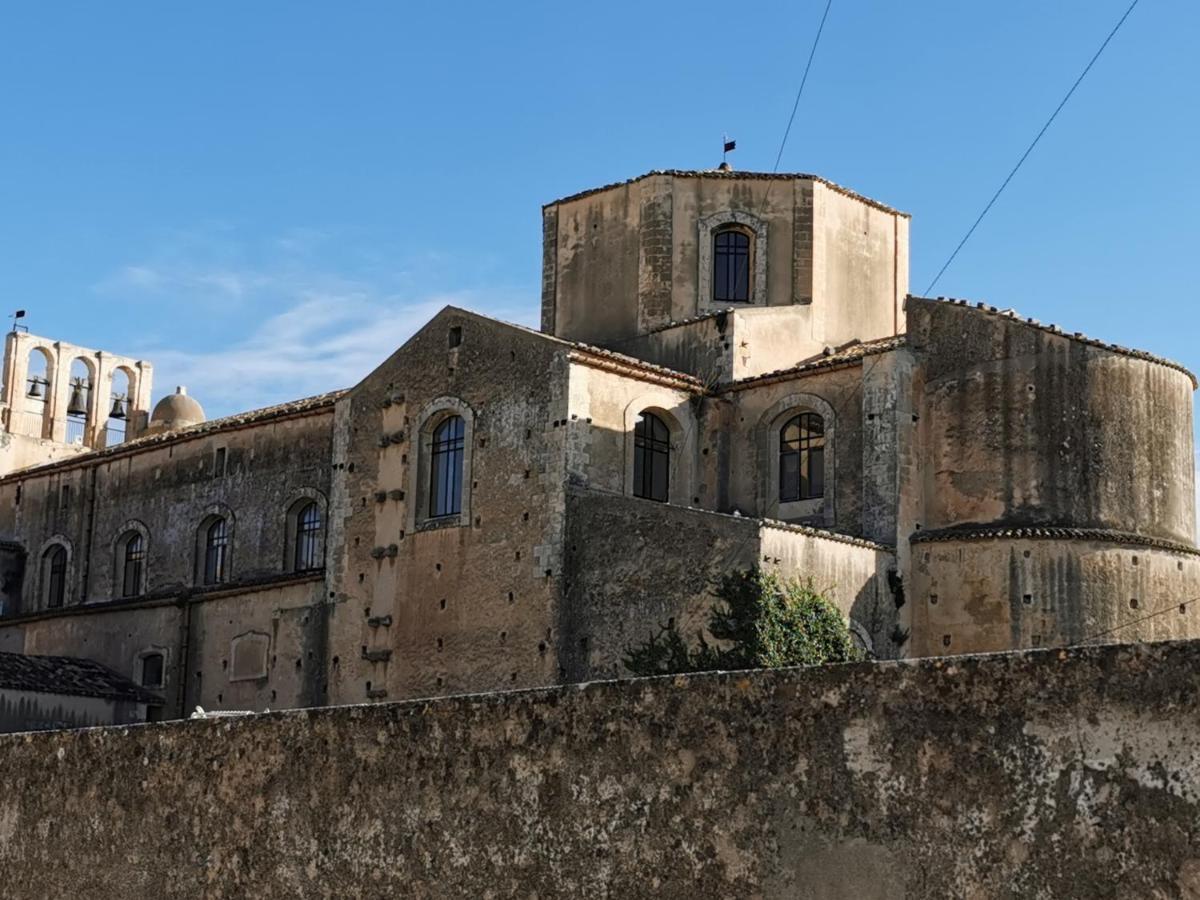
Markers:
point(730, 372)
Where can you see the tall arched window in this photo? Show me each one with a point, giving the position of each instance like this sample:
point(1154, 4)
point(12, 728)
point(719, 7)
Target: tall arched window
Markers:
point(133, 562)
point(54, 576)
point(216, 551)
point(651, 457)
point(307, 553)
point(445, 468)
point(732, 250)
point(802, 458)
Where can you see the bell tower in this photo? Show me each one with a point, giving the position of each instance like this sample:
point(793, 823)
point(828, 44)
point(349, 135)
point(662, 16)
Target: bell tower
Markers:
point(59, 399)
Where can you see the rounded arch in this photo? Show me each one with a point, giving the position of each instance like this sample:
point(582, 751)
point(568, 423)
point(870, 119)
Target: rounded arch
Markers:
point(116, 404)
point(214, 545)
point(130, 555)
point(56, 573)
point(305, 530)
point(37, 389)
point(862, 639)
point(675, 411)
point(747, 223)
point(421, 482)
point(767, 441)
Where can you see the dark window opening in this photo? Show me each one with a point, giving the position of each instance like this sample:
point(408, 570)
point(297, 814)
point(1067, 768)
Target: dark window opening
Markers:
point(731, 267)
point(446, 464)
point(802, 458)
point(132, 565)
point(216, 552)
point(219, 463)
point(308, 538)
point(152, 670)
point(456, 337)
point(651, 458)
point(55, 574)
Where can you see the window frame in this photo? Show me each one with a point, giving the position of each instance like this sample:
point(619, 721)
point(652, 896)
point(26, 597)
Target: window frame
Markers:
point(707, 229)
point(214, 562)
point(55, 564)
point(161, 656)
point(722, 254)
point(420, 471)
point(807, 443)
point(447, 454)
point(130, 541)
point(651, 457)
point(307, 555)
point(820, 511)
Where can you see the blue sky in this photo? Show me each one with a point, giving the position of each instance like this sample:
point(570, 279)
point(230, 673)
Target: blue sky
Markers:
point(265, 198)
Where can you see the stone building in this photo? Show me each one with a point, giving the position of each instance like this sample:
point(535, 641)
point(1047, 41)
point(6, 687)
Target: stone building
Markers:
point(729, 372)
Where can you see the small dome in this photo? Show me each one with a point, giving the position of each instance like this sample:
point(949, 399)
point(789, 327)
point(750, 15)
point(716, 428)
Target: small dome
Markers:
point(176, 411)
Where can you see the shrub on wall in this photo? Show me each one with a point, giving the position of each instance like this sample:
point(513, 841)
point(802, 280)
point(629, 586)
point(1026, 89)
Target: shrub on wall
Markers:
point(762, 621)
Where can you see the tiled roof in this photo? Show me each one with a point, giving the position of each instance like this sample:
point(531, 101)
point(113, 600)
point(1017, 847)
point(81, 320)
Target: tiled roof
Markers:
point(676, 323)
point(1048, 532)
point(633, 362)
point(1077, 336)
point(810, 531)
point(238, 420)
point(68, 675)
point(843, 357)
point(732, 174)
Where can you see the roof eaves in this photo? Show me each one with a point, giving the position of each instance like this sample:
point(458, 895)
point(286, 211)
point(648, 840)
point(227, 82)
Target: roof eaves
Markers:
point(292, 409)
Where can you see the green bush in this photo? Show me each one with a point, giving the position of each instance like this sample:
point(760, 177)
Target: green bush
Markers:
point(763, 621)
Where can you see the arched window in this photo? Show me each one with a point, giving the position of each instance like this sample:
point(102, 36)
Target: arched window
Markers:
point(132, 560)
point(651, 457)
point(802, 458)
point(216, 551)
point(151, 675)
point(732, 251)
point(54, 576)
point(445, 468)
point(307, 551)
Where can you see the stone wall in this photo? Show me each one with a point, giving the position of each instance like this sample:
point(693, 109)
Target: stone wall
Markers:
point(1037, 775)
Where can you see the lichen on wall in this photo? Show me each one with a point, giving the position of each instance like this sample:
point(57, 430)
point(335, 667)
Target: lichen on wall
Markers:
point(1045, 774)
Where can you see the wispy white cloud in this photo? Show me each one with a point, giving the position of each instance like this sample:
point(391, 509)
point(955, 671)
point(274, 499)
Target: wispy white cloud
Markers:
point(242, 335)
point(322, 343)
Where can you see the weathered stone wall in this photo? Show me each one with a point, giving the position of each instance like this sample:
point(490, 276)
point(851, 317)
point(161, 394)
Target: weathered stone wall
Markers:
point(835, 394)
point(166, 491)
point(422, 607)
point(36, 711)
point(1026, 426)
point(1031, 590)
point(624, 584)
point(1041, 775)
point(630, 257)
point(198, 634)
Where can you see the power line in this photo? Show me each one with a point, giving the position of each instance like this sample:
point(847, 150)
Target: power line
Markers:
point(1029, 149)
point(1158, 612)
point(803, 81)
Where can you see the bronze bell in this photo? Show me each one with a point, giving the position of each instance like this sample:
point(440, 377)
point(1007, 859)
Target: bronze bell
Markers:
point(35, 388)
point(77, 406)
point(118, 410)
